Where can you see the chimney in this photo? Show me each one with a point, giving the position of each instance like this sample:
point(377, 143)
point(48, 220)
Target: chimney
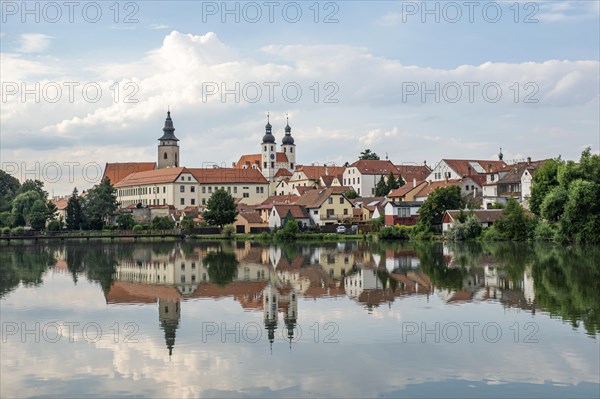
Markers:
point(528, 160)
point(414, 182)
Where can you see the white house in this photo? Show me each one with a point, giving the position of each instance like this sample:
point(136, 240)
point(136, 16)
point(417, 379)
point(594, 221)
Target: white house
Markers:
point(363, 175)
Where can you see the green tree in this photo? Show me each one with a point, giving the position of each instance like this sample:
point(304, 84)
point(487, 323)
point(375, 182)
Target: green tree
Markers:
point(33, 185)
point(351, 194)
point(381, 189)
point(162, 223)
point(466, 228)
point(544, 180)
point(514, 224)
point(439, 201)
point(367, 154)
point(392, 183)
point(187, 223)
point(220, 209)
point(100, 204)
point(554, 203)
point(74, 212)
point(39, 215)
point(400, 182)
point(581, 218)
point(9, 186)
point(289, 230)
point(222, 266)
point(125, 221)
point(22, 206)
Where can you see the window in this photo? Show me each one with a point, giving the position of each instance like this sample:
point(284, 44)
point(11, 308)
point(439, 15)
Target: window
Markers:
point(189, 178)
point(257, 190)
point(330, 200)
point(183, 279)
point(291, 149)
point(345, 211)
point(193, 201)
point(203, 201)
point(272, 165)
point(235, 190)
point(272, 149)
point(264, 165)
point(467, 187)
point(203, 190)
point(353, 182)
point(492, 177)
point(341, 200)
point(292, 165)
point(246, 195)
point(229, 190)
point(164, 201)
point(193, 265)
point(210, 190)
point(182, 189)
point(315, 212)
point(165, 156)
point(358, 180)
point(265, 148)
point(193, 278)
point(182, 178)
point(182, 201)
point(164, 189)
point(192, 189)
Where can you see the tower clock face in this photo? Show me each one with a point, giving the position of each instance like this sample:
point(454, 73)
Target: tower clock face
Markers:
point(272, 156)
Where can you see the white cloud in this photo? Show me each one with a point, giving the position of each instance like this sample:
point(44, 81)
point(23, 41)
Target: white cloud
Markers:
point(159, 26)
point(34, 42)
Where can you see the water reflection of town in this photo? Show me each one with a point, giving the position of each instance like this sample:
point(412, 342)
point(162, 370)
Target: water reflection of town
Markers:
point(269, 279)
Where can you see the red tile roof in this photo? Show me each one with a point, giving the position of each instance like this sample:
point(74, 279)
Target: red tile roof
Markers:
point(410, 172)
point(156, 176)
point(405, 189)
point(255, 159)
point(432, 186)
point(120, 170)
point(462, 167)
point(298, 212)
point(375, 167)
point(315, 172)
point(61, 203)
point(304, 189)
point(315, 198)
point(228, 175)
point(283, 172)
point(251, 217)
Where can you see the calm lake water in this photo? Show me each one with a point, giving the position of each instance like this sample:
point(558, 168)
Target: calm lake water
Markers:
point(351, 319)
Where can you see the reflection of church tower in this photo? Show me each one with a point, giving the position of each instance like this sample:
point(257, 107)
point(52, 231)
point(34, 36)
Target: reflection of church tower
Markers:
point(169, 315)
point(168, 148)
point(291, 315)
point(270, 308)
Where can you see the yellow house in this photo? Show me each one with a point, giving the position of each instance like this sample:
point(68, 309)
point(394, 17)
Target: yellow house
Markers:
point(327, 206)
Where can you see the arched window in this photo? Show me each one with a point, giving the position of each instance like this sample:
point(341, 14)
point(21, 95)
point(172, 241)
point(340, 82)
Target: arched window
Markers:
point(165, 156)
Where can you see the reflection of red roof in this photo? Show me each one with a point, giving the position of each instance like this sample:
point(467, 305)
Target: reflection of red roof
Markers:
point(228, 175)
point(120, 170)
point(125, 292)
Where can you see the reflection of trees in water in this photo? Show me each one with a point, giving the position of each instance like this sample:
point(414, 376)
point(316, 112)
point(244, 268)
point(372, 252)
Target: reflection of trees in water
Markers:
point(435, 266)
point(567, 283)
point(23, 264)
point(222, 266)
point(98, 261)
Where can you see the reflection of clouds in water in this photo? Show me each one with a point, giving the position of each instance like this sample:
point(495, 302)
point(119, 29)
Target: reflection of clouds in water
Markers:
point(198, 369)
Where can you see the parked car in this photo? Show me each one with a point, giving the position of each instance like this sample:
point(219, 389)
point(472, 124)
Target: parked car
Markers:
point(341, 230)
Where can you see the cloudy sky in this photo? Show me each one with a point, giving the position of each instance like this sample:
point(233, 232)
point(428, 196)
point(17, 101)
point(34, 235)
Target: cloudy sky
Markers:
point(87, 84)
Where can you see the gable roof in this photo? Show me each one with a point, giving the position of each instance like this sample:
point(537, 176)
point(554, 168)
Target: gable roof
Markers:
point(283, 172)
point(410, 172)
point(228, 175)
point(315, 198)
point(61, 203)
point(514, 172)
point(255, 159)
point(251, 217)
point(466, 167)
point(432, 186)
point(405, 189)
point(117, 171)
point(315, 172)
point(304, 189)
point(156, 176)
point(297, 211)
point(375, 167)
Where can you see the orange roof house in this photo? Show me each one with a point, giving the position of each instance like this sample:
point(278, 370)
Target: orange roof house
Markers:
point(119, 170)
